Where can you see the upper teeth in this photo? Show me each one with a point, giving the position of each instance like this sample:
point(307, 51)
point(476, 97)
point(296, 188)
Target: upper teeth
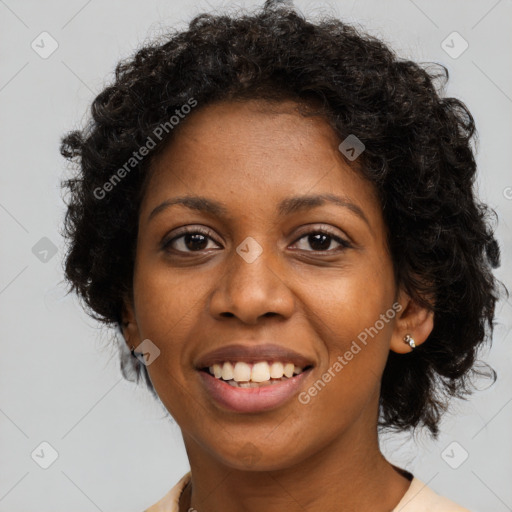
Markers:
point(257, 372)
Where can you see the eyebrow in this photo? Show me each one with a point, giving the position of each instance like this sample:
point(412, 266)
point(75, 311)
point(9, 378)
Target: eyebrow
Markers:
point(285, 207)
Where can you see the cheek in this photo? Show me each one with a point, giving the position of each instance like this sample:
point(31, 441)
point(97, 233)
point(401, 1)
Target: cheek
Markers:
point(166, 309)
point(348, 382)
point(166, 300)
point(348, 302)
point(167, 306)
point(353, 315)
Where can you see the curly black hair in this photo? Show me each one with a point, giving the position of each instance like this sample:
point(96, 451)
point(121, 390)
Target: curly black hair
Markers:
point(418, 155)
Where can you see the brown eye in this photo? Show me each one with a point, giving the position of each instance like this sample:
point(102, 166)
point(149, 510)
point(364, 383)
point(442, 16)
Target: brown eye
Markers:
point(192, 240)
point(321, 241)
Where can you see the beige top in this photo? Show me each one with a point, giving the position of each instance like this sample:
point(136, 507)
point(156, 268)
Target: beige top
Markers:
point(418, 498)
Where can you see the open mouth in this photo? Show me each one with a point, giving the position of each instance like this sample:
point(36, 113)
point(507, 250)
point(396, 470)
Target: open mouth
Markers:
point(241, 374)
point(253, 378)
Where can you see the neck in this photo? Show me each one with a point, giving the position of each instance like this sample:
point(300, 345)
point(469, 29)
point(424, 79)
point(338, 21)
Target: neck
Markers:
point(348, 474)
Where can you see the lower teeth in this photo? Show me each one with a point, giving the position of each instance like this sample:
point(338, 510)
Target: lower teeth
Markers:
point(254, 384)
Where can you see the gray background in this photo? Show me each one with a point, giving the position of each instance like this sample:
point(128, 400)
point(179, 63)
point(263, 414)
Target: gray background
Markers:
point(59, 384)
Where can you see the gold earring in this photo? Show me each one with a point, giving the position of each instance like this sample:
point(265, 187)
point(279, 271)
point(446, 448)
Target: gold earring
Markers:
point(410, 341)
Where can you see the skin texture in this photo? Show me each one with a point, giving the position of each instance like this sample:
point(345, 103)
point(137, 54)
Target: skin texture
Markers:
point(250, 156)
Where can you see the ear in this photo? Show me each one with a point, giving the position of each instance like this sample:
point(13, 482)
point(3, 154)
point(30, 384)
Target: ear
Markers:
point(413, 319)
point(129, 325)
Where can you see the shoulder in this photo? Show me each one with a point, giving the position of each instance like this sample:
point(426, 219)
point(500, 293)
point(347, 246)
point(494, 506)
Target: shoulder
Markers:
point(418, 498)
point(169, 503)
point(421, 498)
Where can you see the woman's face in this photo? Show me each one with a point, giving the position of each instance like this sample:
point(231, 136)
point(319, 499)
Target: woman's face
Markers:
point(255, 270)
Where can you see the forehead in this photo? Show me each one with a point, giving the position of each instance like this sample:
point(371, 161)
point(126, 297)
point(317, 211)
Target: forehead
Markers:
point(251, 131)
point(255, 150)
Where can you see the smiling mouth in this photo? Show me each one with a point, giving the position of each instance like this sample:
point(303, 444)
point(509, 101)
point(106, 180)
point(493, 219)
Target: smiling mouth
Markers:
point(241, 374)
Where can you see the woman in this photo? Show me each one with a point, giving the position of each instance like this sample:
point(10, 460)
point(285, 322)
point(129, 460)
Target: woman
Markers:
point(279, 216)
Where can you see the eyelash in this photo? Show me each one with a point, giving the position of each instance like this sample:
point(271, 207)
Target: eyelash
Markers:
point(195, 230)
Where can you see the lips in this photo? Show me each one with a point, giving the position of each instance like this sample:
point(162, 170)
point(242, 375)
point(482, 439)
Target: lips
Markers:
point(237, 396)
point(252, 400)
point(254, 353)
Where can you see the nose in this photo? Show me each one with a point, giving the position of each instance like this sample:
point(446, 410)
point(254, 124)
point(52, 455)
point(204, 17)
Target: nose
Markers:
point(249, 289)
